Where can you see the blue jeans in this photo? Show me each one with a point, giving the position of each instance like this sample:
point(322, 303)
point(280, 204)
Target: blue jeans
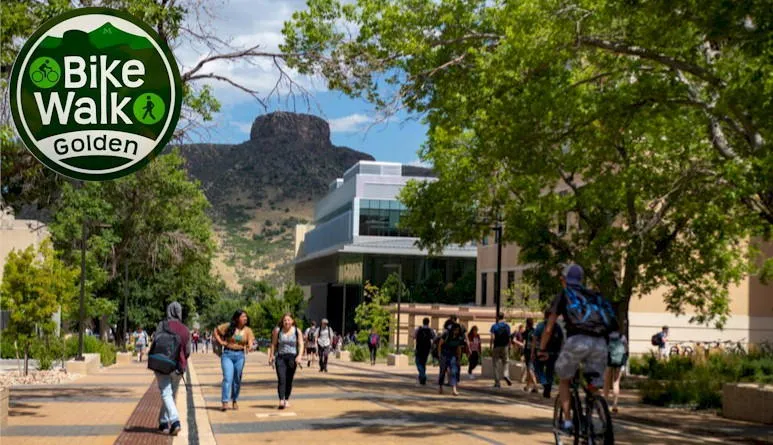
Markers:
point(421, 365)
point(545, 370)
point(168, 384)
point(449, 363)
point(232, 363)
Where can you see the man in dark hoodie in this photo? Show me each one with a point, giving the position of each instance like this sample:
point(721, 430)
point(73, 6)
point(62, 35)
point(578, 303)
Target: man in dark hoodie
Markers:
point(169, 419)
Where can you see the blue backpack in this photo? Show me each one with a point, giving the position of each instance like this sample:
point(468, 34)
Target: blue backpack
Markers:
point(589, 312)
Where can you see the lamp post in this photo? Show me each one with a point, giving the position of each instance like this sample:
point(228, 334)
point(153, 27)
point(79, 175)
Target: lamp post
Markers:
point(399, 267)
point(498, 281)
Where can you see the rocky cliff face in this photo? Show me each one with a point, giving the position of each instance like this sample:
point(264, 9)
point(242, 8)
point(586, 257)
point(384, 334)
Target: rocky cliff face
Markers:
point(261, 188)
point(289, 156)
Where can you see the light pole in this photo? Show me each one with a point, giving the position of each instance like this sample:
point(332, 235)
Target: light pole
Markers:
point(399, 267)
point(498, 280)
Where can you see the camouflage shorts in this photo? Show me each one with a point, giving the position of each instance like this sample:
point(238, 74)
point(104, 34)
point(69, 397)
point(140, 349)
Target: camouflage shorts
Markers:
point(590, 351)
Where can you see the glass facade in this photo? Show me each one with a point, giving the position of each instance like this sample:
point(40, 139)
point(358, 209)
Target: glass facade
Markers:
point(381, 217)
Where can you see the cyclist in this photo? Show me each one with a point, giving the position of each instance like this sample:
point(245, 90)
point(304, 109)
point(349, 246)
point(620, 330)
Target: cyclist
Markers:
point(588, 319)
point(44, 68)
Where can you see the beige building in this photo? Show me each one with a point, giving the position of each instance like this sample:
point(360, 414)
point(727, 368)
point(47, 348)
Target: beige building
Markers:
point(751, 305)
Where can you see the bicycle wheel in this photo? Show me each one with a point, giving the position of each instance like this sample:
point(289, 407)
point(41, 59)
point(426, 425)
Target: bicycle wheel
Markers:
point(558, 417)
point(37, 76)
point(600, 423)
point(674, 350)
point(687, 351)
point(52, 76)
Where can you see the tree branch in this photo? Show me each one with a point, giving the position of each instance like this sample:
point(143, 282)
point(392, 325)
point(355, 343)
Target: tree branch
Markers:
point(644, 53)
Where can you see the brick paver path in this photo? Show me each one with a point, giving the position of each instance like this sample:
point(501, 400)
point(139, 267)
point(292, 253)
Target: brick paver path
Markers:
point(91, 410)
point(357, 404)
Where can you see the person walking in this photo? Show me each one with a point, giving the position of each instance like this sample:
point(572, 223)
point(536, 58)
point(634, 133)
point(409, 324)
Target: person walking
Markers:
point(196, 340)
point(324, 336)
point(207, 341)
point(285, 355)
point(616, 360)
point(545, 369)
point(530, 356)
point(473, 340)
point(451, 344)
point(141, 341)
point(499, 344)
point(310, 338)
point(661, 341)
point(424, 336)
point(236, 339)
point(171, 344)
point(589, 319)
point(373, 342)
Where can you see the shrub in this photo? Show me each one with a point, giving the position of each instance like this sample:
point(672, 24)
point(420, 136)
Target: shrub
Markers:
point(358, 353)
point(92, 345)
point(46, 351)
point(6, 347)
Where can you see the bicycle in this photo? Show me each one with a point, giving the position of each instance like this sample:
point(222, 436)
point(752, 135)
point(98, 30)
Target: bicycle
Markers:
point(592, 422)
point(51, 76)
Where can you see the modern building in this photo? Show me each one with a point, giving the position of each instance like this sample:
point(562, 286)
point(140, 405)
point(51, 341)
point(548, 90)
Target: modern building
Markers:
point(751, 305)
point(356, 237)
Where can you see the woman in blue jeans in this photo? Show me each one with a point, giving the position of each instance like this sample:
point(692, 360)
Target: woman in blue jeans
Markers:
point(450, 347)
point(236, 338)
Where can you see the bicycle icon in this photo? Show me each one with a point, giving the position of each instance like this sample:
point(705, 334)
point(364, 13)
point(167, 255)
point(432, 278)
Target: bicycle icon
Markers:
point(51, 76)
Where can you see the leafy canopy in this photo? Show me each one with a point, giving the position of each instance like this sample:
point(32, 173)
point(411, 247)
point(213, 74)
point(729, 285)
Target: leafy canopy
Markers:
point(628, 136)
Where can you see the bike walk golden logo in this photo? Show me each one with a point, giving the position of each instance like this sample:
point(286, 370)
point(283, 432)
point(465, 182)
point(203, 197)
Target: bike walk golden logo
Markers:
point(95, 94)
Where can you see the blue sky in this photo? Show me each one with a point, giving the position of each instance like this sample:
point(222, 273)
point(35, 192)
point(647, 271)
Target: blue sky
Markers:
point(352, 121)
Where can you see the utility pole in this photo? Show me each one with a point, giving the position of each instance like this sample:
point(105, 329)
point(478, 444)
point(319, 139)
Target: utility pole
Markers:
point(125, 298)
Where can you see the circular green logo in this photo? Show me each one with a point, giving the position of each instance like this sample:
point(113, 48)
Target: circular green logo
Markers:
point(45, 72)
point(95, 94)
point(149, 108)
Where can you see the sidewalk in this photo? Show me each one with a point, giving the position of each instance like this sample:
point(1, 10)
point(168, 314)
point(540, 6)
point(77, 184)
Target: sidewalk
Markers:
point(631, 410)
point(91, 410)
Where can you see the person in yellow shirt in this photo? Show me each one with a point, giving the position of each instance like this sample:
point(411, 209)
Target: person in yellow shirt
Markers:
point(237, 339)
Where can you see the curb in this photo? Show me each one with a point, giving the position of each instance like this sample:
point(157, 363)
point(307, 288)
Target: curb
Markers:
point(196, 410)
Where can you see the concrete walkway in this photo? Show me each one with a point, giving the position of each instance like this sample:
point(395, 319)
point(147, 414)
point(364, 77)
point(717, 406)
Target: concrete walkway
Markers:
point(91, 410)
point(355, 403)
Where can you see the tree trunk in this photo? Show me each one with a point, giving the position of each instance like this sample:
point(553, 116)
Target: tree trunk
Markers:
point(26, 359)
point(18, 361)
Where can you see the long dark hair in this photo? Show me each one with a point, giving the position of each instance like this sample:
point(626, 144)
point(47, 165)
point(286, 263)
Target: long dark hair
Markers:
point(235, 322)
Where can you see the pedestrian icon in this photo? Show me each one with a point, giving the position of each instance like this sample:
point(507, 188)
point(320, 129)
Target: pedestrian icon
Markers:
point(149, 108)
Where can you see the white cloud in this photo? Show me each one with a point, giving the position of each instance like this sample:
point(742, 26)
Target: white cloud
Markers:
point(245, 23)
point(350, 124)
point(244, 127)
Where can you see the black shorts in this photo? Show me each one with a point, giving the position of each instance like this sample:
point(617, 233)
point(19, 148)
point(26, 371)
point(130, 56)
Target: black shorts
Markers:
point(311, 350)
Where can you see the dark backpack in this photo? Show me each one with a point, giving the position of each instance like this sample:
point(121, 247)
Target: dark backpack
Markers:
point(657, 340)
point(435, 351)
point(312, 336)
point(501, 336)
point(424, 338)
point(589, 312)
point(165, 351)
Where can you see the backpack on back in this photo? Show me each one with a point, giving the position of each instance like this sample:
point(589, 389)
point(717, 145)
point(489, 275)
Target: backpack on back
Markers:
point(657, 340)
point(424, 338)
point(373, 340)
point(589, 312)
point(165, 351)
point(617, 355)
point(501, 336)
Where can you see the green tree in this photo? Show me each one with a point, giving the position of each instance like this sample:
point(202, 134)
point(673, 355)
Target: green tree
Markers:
point(257, 290)
point(35, 286)
point(637, 126)
point(152, 224)
point(373, 312)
